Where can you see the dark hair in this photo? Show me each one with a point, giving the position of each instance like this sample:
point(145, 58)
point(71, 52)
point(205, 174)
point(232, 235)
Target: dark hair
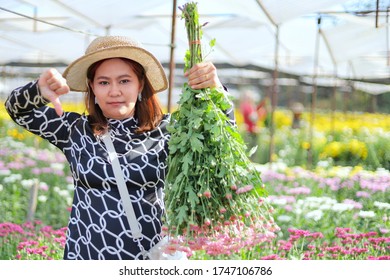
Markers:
point(148, 112)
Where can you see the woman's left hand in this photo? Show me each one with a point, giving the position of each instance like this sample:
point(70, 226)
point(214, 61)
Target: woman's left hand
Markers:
point(203, 75)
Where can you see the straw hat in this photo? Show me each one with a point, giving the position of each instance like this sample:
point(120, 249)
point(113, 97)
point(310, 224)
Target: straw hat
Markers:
point(110, 47)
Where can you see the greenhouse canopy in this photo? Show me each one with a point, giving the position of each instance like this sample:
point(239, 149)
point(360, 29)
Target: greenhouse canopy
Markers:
point(302, 38)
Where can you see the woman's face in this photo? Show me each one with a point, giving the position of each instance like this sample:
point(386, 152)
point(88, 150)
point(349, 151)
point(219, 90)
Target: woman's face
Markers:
point(116, 88)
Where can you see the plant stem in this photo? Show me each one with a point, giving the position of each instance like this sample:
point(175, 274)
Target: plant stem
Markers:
point(194, 33)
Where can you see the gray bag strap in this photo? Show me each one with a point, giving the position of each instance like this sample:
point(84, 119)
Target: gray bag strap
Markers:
point(124, 193)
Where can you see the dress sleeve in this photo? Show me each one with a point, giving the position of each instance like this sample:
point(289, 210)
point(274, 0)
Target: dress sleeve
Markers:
point(230, 111)
point(29, 109)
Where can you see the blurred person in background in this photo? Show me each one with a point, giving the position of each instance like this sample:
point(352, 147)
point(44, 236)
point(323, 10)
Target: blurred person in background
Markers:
point(297, 110)
point(252, 114)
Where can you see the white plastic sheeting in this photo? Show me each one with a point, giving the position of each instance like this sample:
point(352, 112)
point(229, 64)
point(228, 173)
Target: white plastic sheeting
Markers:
point(350, 47)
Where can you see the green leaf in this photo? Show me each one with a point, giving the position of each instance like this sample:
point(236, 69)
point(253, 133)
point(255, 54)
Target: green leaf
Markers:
point(212, 43)
point(182, 214)
point(187, 162)
point(193, 199)
point(196, 144)
point(252, 151)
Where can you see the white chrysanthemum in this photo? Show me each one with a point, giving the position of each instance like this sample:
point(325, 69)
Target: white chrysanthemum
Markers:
point(57, 166)
point(12, 178)
point(315, 215)
point(42, 198)
point(284, 218)
point(279, 201)
point(382, 205)
point(313, 202)
point(341, 207)
point(64, 193)
point(323, 164)
point(5, 172)
point(325, 206)
point(341, 171)
point(27, 183)
point(366, 214)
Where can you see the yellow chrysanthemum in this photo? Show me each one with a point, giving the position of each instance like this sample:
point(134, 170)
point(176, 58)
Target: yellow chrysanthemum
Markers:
point(333, 149)
point(357, 149)
point(305, 145)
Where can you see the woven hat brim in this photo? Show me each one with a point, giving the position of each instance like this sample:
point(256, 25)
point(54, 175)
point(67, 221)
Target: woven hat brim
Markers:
point(76, 73)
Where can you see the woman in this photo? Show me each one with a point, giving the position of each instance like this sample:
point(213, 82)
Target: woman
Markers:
point(120, 78)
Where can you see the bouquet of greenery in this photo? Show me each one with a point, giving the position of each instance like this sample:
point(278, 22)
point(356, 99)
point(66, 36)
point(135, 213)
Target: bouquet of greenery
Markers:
point(212, 187)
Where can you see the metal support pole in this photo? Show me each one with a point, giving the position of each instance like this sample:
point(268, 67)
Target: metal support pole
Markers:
point(274, 97)
point(172, 57)
point(314, 95)
point(32, 203)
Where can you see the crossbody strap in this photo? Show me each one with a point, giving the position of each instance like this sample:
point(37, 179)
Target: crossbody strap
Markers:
point(123, 191)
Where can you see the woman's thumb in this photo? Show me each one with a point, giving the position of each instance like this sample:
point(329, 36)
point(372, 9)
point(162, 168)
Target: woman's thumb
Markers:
point(57, 106)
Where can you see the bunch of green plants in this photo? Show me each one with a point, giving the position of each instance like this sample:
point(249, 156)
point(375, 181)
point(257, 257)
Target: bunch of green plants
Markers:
point(210, 178)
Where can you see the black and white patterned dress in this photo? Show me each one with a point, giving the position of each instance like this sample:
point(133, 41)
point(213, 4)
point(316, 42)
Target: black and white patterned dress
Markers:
point(98, 228)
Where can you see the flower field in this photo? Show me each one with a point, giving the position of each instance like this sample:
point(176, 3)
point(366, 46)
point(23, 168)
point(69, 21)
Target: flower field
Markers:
point(340, 209)
point(352, 139)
